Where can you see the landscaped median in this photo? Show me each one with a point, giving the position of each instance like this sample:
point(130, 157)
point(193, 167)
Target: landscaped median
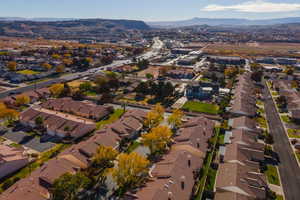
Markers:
point(201, 107)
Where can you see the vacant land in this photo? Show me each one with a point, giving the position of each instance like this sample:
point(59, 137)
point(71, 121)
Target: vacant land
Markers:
point(195, 106)
point(28, 72)
point(154, 70)
point(250, 50)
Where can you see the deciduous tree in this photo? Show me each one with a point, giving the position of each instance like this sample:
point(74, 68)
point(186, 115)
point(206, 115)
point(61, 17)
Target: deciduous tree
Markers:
point(47, 66)
point(56, 89)
point(175, 119)
point(12, 66)
point(22, 100)
point(60, 69)
point(68, 186)
point(131, 170)
point(157, 139)
point(155, 116)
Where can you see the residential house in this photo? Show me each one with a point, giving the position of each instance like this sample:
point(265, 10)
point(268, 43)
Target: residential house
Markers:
point(244, 123)
point(11, 160)
point(80, 108)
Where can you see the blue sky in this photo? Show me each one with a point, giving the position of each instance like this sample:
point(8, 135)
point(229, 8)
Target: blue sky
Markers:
point(151, 10)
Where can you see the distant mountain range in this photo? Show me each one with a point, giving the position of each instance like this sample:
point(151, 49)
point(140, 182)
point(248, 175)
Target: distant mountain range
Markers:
point(41, 19)
point(224, 22)
point(57, 28)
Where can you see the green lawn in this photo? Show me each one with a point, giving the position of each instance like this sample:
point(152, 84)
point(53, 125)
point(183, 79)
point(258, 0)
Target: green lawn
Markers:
point(133, 146)
point(260, 103)
point(274, 93)
point(272, 175)
point(285, 118)
point(28, 72)
point(15, 145)
point(113, 117)
point(279, 197)
point(206, 181)
point(293, 133)
point(90, 93)
point(262, 122)
point(211, 179)
point(201, 107)
point(298, 155)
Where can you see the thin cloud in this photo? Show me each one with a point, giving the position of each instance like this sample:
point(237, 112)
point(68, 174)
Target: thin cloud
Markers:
point(259, 6)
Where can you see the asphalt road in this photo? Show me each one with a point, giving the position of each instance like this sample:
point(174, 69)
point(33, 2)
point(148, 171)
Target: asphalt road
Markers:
point(288, 167)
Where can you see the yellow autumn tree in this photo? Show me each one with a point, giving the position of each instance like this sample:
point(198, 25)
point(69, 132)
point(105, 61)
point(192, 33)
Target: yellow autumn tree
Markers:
point(8, 114)
point(22, 100)
point(175, 119)
point(104, 157)
point(60, 69)
point(131, 170)
point(56, 89)
point(47, 66)
point(155, 116)
point(67, 61)
point(56, 56)
point(12, 66)
point(157, 139)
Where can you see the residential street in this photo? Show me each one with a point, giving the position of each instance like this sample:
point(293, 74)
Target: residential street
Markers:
point(288, 167)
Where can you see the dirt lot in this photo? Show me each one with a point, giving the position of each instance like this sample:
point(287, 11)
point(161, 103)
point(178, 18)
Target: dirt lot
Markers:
point(255, 49)
point(154, 70)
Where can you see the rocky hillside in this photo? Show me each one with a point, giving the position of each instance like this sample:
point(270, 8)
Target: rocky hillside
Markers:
point(72, 29)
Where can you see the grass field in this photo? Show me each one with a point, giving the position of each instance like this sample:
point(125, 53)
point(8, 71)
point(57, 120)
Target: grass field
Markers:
point(293, 133)
point(285, 118)
point(201, 107)
point(272, 175)
point(113, 117)
point(28, 72)
point(298, 155)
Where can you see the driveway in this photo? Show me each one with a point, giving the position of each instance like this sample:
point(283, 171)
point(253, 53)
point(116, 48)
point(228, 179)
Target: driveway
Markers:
point(288, 166)
point(35, 143)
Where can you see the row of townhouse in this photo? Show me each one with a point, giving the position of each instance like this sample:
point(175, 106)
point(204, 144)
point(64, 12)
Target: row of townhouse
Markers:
point(11, 159)
point(284, 88)
point(174, 176)
point(78, 157)
point(243, 102)
point(56, 125)
point(80, 108)
point(239, 175)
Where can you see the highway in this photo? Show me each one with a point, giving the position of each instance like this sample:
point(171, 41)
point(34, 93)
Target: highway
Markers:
point(155, 49)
